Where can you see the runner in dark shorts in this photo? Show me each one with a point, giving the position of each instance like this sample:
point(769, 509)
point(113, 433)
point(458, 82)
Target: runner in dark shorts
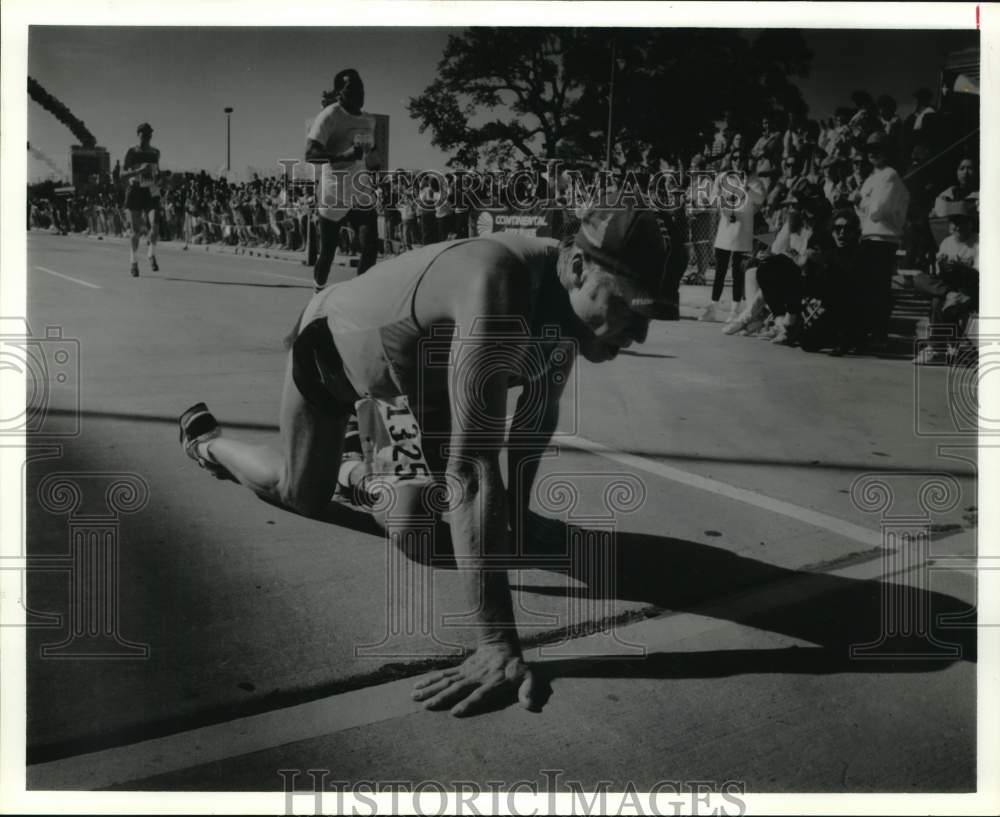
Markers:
point(142, 198)
point(434, 339)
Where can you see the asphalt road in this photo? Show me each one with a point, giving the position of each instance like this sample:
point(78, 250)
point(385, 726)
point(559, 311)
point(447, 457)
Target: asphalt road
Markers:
point(701, 629)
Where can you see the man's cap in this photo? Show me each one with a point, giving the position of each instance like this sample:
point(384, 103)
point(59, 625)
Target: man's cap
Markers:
point(145, 127)
point(877, 140)
point(635, 245)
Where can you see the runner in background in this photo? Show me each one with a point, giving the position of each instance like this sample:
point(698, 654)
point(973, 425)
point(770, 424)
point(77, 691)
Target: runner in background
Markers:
point(343, 137)
point(142, 199)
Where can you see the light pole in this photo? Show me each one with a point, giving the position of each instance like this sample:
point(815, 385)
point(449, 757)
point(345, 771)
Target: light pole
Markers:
point(228, 112)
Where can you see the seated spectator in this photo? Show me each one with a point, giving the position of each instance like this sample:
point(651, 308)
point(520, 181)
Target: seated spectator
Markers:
point(953, 285)
point(966, 188)
point(835, 187)
point(922, 181)
point(791, 181)
point(838, 138)
point(779, 273)
point(828, 276)
point(861, 169)
point(865, 120)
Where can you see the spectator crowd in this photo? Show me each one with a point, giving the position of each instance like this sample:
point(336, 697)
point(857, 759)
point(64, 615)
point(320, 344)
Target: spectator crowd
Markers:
point(831, 207)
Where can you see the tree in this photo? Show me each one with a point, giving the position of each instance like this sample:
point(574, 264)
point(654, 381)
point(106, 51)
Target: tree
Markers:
point(507, 94)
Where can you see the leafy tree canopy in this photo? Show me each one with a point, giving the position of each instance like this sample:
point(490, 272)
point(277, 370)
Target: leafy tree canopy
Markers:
point(505, 94)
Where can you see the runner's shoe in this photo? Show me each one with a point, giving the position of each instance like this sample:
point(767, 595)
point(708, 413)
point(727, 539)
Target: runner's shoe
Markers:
point(134, 269)
point(153, 265)
point(198, 425)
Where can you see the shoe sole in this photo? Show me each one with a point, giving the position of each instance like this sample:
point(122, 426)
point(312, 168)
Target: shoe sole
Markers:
point(189, 440)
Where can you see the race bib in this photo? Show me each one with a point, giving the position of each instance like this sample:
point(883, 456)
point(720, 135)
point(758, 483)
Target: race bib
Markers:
point(396, 436)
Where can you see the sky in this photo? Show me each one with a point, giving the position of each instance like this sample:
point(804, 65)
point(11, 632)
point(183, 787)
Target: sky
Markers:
point(180, 79)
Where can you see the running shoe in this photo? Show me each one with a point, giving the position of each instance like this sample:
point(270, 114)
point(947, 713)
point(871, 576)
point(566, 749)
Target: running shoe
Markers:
point(153, 265)
point(134, 269)
point(198, 425)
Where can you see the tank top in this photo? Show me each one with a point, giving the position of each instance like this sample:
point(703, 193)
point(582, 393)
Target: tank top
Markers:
point(137, 156)
point(372, 322)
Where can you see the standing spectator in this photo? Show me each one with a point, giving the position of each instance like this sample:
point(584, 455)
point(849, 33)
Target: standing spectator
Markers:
point(408, 219)
point(444, 213)
point(767, 146)
point(893, 127)
point(701, 220)
point(734, 237)
point(882, 210)
point(921, 124)
point(425, 207)
point(344, 137)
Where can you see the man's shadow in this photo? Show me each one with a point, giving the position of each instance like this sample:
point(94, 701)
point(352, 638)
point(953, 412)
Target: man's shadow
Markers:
point(849, 620)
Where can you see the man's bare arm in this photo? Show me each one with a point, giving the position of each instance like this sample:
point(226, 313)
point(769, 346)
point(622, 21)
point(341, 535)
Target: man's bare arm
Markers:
point(480, 536)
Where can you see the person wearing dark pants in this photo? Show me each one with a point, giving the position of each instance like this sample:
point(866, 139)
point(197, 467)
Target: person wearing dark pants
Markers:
point(342, 139)
point(737, 195)
point(723, 260)
point(882, 209)
point(780, 279)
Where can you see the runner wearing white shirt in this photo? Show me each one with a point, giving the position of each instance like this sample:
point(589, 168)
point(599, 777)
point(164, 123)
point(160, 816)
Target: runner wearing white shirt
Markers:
point(344, 137)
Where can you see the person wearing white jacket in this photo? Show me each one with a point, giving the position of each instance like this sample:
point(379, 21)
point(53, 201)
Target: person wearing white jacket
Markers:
point(882, 209)
point(738, 195)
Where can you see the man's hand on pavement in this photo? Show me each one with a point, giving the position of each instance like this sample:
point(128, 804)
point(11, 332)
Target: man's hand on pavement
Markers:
point(494, 674)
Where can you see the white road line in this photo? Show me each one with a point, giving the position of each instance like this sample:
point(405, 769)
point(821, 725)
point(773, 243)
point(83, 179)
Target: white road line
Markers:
point(68, 277)
point(99, 770)
point(849, 530)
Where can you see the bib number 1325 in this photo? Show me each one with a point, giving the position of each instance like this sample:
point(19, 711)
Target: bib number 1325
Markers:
point(404, 437)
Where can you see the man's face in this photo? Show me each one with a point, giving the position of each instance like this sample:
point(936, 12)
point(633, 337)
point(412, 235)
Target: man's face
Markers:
point(612, 312)
point(876, 157)
point(765, 126)
point(352, 93)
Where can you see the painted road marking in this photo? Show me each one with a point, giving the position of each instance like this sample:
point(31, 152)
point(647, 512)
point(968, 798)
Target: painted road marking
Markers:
point(68, 277)
point(841, 527)
point(375, 704)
